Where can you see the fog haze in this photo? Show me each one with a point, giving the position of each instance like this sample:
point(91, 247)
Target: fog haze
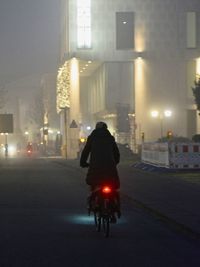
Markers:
point(29, 38)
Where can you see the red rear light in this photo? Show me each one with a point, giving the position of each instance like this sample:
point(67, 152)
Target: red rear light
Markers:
point(106, 189)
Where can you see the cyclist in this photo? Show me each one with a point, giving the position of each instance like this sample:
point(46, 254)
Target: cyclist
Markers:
point(29, 147)
point(103, 154)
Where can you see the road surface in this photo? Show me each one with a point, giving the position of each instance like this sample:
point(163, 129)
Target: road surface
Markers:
point(44, 222)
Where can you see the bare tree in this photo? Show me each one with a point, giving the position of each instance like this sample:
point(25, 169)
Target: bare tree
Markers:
point(37, 110)
point(196, 93)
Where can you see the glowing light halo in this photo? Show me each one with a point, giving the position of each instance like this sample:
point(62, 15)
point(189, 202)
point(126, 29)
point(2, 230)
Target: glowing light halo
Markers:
point(168, 113)
point(154, 113)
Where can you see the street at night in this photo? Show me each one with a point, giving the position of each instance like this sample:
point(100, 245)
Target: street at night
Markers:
point(104, 92)
point(44, 222)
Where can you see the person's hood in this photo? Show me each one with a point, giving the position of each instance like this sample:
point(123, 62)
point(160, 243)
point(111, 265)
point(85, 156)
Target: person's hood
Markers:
point(100, 133)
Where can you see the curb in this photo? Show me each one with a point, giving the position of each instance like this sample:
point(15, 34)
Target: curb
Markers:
point(152, 168)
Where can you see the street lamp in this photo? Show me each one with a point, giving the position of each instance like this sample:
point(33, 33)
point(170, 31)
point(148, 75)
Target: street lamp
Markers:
point(161, 115)
point(168, 113)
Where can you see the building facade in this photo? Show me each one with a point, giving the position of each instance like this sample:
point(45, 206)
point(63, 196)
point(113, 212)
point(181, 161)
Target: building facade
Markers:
point(132, 64)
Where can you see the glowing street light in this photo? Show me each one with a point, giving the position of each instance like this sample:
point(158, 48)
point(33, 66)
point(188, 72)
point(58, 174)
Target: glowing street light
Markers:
point(88, 128)
point(154, 113)
point(168, 113)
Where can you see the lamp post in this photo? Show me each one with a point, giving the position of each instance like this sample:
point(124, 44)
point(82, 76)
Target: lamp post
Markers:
point(65, 132)
point(161, 116)
point(45, 138)
point(6, 145)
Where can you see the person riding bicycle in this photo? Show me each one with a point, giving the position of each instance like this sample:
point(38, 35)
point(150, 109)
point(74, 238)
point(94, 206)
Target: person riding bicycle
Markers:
point(103, 154)
point(29, 147)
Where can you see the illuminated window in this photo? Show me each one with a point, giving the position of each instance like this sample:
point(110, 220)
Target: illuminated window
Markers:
point(84, 23)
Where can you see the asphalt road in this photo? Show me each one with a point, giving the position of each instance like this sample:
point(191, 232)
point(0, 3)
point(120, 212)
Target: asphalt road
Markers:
point(44, 222)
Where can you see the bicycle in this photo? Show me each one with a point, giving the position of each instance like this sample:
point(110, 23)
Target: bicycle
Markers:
point(104, 205)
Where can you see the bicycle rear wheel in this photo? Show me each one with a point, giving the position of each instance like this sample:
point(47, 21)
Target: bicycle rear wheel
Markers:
point(106, 226)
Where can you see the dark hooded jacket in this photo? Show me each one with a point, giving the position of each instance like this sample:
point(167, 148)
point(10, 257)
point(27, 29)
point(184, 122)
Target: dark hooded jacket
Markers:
point(103, 155)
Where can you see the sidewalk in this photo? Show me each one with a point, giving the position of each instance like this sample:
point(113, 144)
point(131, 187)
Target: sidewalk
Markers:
point(166, 194)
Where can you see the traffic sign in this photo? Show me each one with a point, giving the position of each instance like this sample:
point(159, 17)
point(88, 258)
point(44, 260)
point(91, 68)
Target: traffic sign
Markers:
point(73, 124)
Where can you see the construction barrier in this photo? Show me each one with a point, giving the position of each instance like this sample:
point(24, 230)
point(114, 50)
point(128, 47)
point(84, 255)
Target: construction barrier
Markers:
point(156, 154)
point(184, 155)
point(172, 155)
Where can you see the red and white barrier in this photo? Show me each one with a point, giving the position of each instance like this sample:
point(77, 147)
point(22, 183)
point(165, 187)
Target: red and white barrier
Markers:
point(172, 155)
point(184, 155)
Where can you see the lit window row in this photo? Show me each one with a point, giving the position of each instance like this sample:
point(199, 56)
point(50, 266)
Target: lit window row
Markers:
point(83, 24)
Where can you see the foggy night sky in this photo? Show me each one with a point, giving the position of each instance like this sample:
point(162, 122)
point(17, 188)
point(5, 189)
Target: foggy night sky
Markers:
point(29, 37)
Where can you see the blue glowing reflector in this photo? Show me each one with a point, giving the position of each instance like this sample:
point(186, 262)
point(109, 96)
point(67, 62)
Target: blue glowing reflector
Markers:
point(86, 219)
point(80, 219)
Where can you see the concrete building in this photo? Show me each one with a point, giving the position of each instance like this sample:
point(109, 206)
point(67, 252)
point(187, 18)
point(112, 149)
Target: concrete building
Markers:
point(131, 63)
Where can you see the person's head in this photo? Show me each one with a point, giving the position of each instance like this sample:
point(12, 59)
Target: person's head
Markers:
point(101, 125)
